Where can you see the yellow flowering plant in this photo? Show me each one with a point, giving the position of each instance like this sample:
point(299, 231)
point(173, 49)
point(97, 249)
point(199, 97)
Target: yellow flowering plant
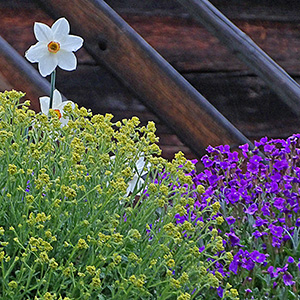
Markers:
point(69, 229)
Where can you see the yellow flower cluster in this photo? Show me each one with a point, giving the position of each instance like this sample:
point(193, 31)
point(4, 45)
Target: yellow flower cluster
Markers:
point(70, 230)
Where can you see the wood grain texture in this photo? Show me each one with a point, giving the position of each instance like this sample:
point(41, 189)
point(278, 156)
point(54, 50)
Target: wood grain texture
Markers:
point(113, 43)
point(185, 44)
point(21, 75)
point(189, 47)
point(244, 100)
point(279, 10)
point(278, 80)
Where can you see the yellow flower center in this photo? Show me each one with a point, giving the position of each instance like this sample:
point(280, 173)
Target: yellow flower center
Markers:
point(53, 47)
point(57, 111)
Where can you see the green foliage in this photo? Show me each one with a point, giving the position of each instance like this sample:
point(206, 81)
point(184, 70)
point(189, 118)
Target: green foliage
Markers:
point(68, 227)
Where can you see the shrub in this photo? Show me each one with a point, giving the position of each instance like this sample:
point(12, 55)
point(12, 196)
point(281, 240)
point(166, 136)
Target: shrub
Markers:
point(71, 229)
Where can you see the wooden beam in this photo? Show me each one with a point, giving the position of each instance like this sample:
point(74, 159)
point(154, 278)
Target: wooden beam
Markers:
point(112, 42)
point(244, 48)
point(21, 75)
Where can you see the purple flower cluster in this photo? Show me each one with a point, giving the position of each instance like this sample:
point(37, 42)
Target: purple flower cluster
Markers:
point(267, 188)
point(247, 260)
point(260, 200)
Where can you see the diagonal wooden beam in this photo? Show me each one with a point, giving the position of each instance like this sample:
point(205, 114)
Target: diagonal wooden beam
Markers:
point(247, 51)
point(21, 75)
point(112, 42)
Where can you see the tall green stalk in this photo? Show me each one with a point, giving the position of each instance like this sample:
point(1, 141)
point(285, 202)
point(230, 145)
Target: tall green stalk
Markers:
point(53, 77)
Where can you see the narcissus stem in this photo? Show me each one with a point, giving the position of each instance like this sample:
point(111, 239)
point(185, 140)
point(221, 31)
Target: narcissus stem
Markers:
point(53, 77)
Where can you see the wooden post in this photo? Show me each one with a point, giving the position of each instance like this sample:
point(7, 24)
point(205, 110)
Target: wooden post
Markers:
point(113, 43)
point(244, 48)
point(21, 75)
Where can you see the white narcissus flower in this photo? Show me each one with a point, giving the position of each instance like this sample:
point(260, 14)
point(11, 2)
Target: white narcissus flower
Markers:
point(57, 105)
point(137, 180)
point(54, 48)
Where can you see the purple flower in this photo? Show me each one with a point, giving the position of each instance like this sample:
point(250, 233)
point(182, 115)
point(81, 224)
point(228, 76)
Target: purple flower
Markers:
point(266, 209)
point(248, 264)
point(290, 260)
point(262, 142)
point(245, 149)
point(276, 176)
point(284, 269)
point(232, 195)
point(219, 267)
point(276, 230)
point(28, 187)
point(288, 186)
point(276, 242)
point(268, 148)
point(234, 156)
point(248, 291)
point(207, 162)
point(224, 164)
point(297, 222)
point(201, 249)
point(273, 273)
point(234, 265)
point(288, 279)
point(259, 222)
point(280, 165)
point(212, 178)
point(224, 148)
point(273, 187)
point(230, 220)
point(220, 292)
point(279, 203)
point(210, 149)
point(234, 240)
point(258, 234)
point(251, 209)
point(258, 257)
point(253, 164)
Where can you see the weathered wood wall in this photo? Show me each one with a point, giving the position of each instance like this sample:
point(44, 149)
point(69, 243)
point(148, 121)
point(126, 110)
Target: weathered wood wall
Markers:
point(237, 93)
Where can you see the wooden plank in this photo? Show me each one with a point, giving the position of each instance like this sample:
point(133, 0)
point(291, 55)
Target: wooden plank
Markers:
point(100, 91)
point(245, 49)
point(21, 75)
point(19, 4)
point(279, 10)
point(248, 103)
point(113, 43)
point(4, 84)
point(197, 51)
point(242, 98)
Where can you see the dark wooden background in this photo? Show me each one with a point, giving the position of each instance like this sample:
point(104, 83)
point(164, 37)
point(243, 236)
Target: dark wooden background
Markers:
point(228, 84)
